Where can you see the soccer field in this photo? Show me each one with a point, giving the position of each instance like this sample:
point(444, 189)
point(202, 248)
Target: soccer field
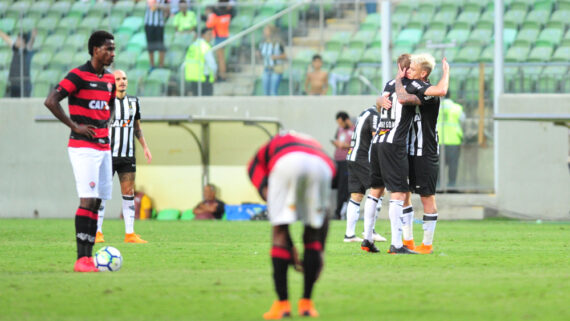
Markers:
point(211, 270)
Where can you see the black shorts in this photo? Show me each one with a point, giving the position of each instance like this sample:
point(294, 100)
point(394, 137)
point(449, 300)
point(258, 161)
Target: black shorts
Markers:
point(394, 167)
point(376, 180)
point(358, 176)
point(424, 172)
point(124, 165)
point(154, 38)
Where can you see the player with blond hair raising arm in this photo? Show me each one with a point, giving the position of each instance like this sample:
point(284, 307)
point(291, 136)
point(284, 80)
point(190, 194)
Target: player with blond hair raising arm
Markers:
point(125, 126)
point(293, 173)
point(90, 89)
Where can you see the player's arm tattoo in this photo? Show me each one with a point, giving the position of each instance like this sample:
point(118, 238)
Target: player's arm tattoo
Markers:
point(403, 97)
point(138, 130)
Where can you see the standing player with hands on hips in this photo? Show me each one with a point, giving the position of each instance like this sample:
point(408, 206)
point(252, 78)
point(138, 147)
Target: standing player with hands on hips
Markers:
point(125, 126)
point(90, 89)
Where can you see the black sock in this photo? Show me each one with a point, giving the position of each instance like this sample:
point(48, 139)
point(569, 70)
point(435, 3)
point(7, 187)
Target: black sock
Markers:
point(312, 265)
point(281, 257)
point(85, 229)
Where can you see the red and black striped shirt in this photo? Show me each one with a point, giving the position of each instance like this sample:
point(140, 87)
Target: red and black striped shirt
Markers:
point(91, 100)
point(260, 166)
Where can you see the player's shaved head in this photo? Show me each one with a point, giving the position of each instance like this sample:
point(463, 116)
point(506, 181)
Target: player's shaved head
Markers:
point(425, 62)
point(404, 60)
point(121, 82)
point(119, 73)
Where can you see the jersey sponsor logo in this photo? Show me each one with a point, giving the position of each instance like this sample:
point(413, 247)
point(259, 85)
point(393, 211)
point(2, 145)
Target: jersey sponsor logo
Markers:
point(121, 123)
point(415, 84)
point(94, 85)
point(98, 105)
point(92, 185)
point(428, 97)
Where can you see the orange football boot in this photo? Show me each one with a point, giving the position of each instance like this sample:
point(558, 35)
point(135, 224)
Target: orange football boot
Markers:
point(278, 310)
point(409, 244)
point(99, 238)
point(307, 308)
point(424, 249)
point(134, 238)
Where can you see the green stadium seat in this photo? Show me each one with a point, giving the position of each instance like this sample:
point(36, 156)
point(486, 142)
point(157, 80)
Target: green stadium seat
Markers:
point(153, 88)
point(566, 40)
point(80, 58)
point(469, 17)
point(509, 36)
point(530, 76)
point(513, 79)
point(459, 36)
point(77, 41)
point(514, 18)
point(434, 35)
point(303, 58)
point(488, 54)
point(62, 60)
point(51, 76)
point(563, 4)
point(475, 6)
point(284, 20)
point(38, 9)
point(139, 9)
point(329, 58)
point(47, 24)
point(549, 36)
point(123, 7)
point(562, 54)
point(101, 8)
point(487, 16)
point(469, 54)
point(545, 5)
point(131, 24)
point(541, 17)
point(446, 17)
point(89, 24)
point(67, 25)
point(41, 89)
point(408, 37)
point(526, 36)
point(17, 10)
point(349, 57)
point(187, 215)
point(484, 25)
point(137, 42)
point(372, 55)
point(401, 49)
point(354, 86)
point(41, 59)
point(174, 58)
point(449, 53)
point(561, 16)
point(143, 61)
point(53, 42)
point(371, 22)
point(552, 79)
point(540, 54)
point(272, 6)
point(7, 25)
point(160, 74)
point(451, 4)
point(136, 77)
point(182, 41)
point(125, 60)
point(79, 9)
point(168, 214)
point(5, 59)
point(258, 88)
point(361, 39)
point(420, 18)
point(27, 24)
point(59, 9)
point(480, 37)
point(337, 41)
point(400, 19)
point(518, 5)
point(517, 54)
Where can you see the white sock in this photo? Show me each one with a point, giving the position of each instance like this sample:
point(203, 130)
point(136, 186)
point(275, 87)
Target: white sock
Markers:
point(408, 223)
point(101, 215)
point(395, 212)
point(378, 209)
point(129, 213)
point(369, 216)
point(429, 228)
point(352, 214)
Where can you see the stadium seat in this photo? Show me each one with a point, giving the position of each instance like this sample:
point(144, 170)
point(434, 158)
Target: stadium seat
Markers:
point(125, 60)
point(102, 8)
point(153, 88)
point(361, 39)
point(41, 59)
point(480, 37)
point(182, 41)
point(51, 76)
point(446, 17)
point(514, 18)
point(139, 9)
point(77, 41)
point(354, 86)
point(47, 24)
point(518, 5)
point(421, 18)
point(450, 4)
point(562, 54)
point(7, 25)
point(131, 24)
point(487, 16)
point(552, 80)
point(53, 42)
point(123, 7)
point(539, 17)
point(329, 58)
point(349, 57)
point(469, 17)
point(399, 19)
point(540, 54)
point(80, 58)
point(408, 37)
point(5, 59)
point(174, 58)
point(401, 49)
point(549, 36)
point(469, 54)
point(517, 54)
point(561, 16)
point(41, 89)
point(89, 24)
point(487, 54)
point(136, 76)
point(59, 9)
point(434, 35)
point(27, 24)
point(79, 9)
point(62, 60)
point(284, 20)
point(545, 5)
point(67, 25)
point(168, 215)
point(337, 41)
point(137, 42)
point(509, 36)
point(526, 36)
point(38, 9)
point(187, 215)
point(17, 10)
point(143, 61)
point(459, 36)
point(372, 55)
point(371, 22)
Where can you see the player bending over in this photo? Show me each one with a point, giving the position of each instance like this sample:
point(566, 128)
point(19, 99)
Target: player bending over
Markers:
point(90, 89)
point(359, 172)
point(293, 174)
point(126, 125)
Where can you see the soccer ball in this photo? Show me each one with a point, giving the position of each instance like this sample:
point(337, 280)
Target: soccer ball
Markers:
point(108, 258)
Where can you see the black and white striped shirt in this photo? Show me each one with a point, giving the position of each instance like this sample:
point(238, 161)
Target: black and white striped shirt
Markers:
point(399, 117)
point(268, 49)
point(362, 136)
point(154, 17)
point(423, 140)
point(127, 112)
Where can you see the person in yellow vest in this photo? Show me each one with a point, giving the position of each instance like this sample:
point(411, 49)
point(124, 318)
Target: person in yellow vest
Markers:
point(451, 135)
point(201, 65)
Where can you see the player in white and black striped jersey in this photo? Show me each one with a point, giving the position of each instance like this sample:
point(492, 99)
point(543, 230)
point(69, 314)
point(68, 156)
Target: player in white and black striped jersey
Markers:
point(358, 160)
point(125, 126)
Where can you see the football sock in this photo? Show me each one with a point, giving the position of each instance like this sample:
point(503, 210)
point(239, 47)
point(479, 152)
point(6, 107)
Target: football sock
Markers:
point(352, 214)
point(369, 213)
point(429, 228)
point(311, 266)
point(129, 213)
point(408, 223)
point(395, 212)
point(378, 208)
point(101, 216)
point(85, 229)
point(280, 257)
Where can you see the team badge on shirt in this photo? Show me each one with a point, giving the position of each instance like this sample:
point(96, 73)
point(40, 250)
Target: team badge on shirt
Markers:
point(109, 86)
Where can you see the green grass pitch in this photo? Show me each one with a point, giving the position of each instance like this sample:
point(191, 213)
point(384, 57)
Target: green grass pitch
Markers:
point(481, 270)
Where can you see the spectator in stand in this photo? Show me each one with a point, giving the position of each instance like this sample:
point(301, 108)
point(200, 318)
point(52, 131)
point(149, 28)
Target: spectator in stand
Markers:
point(219, 19)
point(273, 54)
point(211, 207)
point(200, 67)
point(184, 20)
point(341, 142)
point(317, 80)
point(154, 18)
point(21, 60)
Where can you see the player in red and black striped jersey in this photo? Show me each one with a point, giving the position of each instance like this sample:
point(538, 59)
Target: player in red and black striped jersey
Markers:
point(90, 90)
point(293, 173)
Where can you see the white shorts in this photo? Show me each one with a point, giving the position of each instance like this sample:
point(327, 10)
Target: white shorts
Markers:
point(93, 171)
point(298, 189)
